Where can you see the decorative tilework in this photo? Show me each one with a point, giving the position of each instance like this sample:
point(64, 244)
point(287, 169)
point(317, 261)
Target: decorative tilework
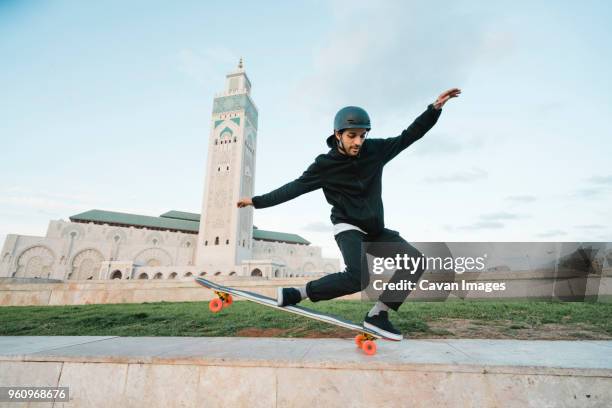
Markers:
point(234, 103)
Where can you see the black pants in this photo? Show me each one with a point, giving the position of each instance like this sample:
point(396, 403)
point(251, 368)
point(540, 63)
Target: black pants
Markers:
point(356, 277)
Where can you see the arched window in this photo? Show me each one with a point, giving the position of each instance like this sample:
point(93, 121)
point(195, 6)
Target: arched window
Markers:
point(227, 242)
point(216, 240)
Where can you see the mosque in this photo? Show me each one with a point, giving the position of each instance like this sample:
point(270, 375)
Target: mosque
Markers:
point(220, 241)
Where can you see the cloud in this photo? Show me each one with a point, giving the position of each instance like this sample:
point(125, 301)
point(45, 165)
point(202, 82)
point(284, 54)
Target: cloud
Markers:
point(521, 198)
point(318, 226)
point(547, 108)
point(388, 55)
point(45, 202)
point(590, 226)
point(443, 144)
point(551, 234)
point(596, 188)
point(501, 216)
point(606, 180)
point(482, 225)
point(466, 176)
point(488, 221)
point(19, 202)
point(589, 193)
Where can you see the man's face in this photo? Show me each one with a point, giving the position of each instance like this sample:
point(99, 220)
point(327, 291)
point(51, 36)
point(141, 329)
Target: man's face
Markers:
point(352, 140)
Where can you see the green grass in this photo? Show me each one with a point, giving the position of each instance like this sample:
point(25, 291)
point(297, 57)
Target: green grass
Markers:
point(194, 318)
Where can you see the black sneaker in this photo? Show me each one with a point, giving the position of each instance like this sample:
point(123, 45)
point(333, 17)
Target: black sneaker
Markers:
point(288, 296)
point(380, 324)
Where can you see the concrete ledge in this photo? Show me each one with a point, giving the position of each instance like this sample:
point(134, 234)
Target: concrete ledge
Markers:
point(268, 372)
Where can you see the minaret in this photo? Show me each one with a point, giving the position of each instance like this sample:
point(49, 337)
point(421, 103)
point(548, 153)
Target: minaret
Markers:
point(226, 232)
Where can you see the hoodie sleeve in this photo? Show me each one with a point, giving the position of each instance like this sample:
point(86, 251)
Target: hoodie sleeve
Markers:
point(392, 146)
point(309, 181)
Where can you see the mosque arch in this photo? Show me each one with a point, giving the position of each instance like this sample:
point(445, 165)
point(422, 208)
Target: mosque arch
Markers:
point(256, 272)
point(153, 257)
point(35, 262)
point(329, 268)
point(308, 267)
point(86, 264)
point(116, 274)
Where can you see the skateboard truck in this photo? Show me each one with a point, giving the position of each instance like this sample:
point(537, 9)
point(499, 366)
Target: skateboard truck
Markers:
point(365, 341)
point(223, 300)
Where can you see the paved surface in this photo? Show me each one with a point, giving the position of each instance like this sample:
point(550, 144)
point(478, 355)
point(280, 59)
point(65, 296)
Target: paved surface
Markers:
point(470, 355)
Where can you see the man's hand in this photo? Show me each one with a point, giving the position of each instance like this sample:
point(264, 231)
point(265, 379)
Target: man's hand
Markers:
point(445, 96)
point(244, 202)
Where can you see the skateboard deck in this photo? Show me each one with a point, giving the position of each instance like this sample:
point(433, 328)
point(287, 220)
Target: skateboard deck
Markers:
point(364, 340)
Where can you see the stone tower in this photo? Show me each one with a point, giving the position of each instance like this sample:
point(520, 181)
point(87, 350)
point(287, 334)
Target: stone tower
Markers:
point(226, 232)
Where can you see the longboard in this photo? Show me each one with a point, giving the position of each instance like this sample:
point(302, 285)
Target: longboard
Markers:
point(364, 340)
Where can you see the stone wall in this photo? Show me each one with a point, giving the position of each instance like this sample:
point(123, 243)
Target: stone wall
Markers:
point(528, 285)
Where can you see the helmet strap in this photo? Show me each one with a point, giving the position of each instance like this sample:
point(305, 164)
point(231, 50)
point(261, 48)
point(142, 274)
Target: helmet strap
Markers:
point(340, 144)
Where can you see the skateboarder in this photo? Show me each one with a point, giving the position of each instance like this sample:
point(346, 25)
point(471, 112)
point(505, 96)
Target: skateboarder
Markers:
point(350, 175)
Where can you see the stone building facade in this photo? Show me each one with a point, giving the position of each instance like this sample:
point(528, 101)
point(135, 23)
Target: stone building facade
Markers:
point(222, 241)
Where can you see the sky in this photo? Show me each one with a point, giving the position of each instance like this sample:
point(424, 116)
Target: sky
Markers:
point(108, 105)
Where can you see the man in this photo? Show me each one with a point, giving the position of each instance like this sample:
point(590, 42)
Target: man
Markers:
point(350, 176)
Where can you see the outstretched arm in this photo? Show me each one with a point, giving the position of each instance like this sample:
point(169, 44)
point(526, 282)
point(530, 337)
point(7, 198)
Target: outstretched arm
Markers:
point(310, 180)
point(392, 146)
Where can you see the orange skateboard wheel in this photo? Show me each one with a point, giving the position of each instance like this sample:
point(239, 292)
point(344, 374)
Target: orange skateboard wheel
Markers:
point(369, 347)
point(359, 339)
point(215, 305)
point(228, 301)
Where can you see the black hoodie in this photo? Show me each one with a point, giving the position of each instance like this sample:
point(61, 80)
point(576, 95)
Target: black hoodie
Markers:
point(353, 184)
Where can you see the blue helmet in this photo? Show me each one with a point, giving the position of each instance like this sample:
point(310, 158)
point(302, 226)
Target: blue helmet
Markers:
point(349, 117)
